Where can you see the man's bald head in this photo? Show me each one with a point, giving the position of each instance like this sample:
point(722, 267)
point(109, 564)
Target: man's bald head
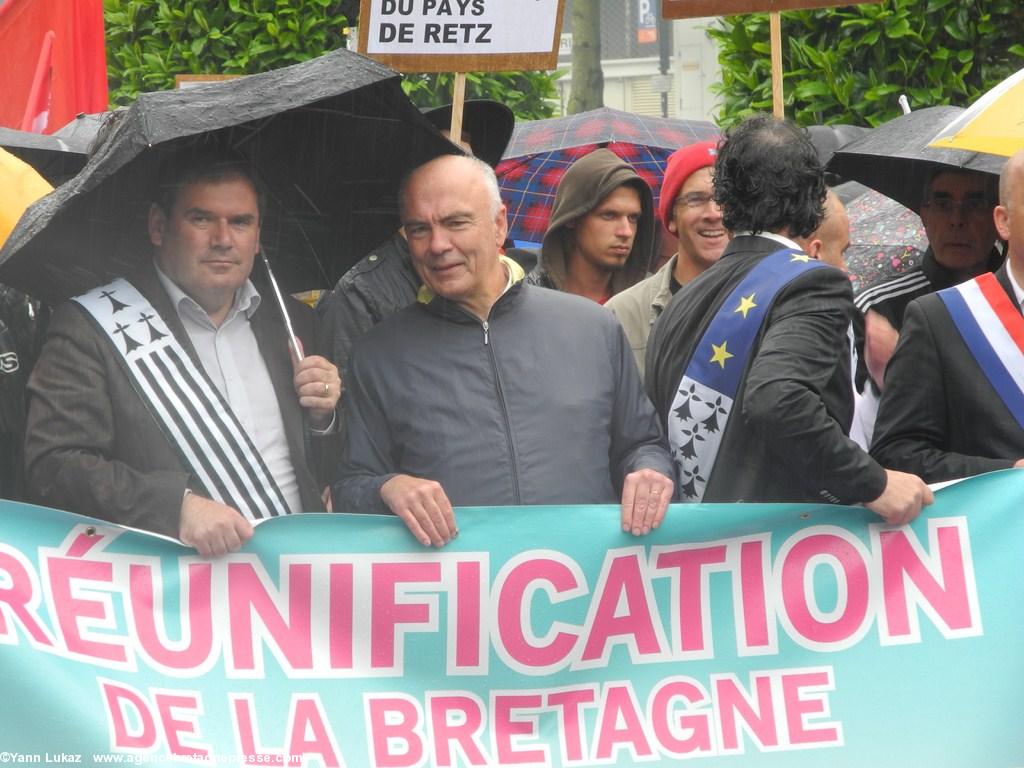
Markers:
point(1009, 214)
point(829, 241)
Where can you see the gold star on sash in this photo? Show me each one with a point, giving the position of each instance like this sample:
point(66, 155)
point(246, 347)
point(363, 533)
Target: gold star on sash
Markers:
point(720, 353)
point(800, 257)
point(746, 304)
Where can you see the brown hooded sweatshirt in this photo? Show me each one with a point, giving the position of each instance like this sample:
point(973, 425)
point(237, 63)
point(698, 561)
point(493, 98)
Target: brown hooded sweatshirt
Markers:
point(587, 182)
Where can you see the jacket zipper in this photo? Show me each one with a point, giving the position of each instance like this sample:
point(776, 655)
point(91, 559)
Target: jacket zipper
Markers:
point(504, 412)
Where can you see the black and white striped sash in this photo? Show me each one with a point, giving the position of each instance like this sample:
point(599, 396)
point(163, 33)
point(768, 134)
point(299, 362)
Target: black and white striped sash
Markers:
point(210, 440)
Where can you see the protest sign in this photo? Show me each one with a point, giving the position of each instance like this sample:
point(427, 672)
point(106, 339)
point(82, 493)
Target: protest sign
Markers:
point(789, 635)
point(461, 35)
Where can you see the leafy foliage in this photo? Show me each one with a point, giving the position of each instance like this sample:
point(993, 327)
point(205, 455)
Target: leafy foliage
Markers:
point(850, 64)
point(151, 41)
point(148, 43)
point(530, 95)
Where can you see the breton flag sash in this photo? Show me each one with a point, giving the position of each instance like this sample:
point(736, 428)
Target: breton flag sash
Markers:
point(993, 330)
point(197, 420)
point(701, 407)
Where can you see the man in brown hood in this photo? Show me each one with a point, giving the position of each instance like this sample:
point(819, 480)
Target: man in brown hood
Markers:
point(600, 239)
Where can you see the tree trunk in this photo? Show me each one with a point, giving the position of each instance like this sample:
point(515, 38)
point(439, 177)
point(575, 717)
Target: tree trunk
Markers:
point(587, 77)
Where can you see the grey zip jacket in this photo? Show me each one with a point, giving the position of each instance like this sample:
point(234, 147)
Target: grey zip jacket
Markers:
point(540, 404)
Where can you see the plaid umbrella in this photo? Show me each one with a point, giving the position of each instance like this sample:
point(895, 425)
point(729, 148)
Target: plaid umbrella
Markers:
point(541, 151)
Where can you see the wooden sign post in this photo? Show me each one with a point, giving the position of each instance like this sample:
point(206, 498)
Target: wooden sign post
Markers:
point(689, 9)
point(460, 36)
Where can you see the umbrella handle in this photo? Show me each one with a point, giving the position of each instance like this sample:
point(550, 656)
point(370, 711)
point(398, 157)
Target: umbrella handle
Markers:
point(292, 340)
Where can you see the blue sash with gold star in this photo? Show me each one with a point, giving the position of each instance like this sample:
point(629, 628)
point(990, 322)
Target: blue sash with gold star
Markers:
point(197, 421)
point(701, 407)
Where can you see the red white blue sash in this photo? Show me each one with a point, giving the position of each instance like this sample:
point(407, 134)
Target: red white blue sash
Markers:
point(703, 403)
point(197, 421)
point(993, 330)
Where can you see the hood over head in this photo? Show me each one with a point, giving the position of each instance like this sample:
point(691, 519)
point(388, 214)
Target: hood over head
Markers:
point(587, 182)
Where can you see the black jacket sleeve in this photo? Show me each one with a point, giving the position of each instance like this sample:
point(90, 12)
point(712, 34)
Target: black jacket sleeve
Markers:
point(915, 430)
point(798, 388)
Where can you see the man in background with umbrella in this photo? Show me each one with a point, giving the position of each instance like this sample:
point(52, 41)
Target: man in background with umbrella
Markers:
point(748, 366)
point(600, 239)
point(956, 210)
point(169, 402)
point(953, 404)
point(688, 210)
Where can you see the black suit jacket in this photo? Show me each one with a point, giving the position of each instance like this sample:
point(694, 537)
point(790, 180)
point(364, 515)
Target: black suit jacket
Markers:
point(939, 417)
point(786, 439)
point(93, 447)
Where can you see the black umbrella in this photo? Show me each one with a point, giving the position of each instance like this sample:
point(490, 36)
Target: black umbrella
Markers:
point(828, 138)
point(330, 138)
point(56, 158)
point(81, 130)
point(895, 158)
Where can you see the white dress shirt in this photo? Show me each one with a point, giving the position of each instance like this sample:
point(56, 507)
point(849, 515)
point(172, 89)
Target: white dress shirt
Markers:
point(231, 358)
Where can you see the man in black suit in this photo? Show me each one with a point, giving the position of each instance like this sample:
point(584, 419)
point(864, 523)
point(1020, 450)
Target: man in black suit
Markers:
point(169, 401)
point(748, 366)
point(952, 403)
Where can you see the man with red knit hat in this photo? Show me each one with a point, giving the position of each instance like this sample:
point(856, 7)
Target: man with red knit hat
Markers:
point(689, 212)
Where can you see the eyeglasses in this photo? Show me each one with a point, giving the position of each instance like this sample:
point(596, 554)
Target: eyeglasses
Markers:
point(694, 199)
point(969, 206)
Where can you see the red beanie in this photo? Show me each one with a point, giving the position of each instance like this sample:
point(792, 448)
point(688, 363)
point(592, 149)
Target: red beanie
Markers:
point(681, 165)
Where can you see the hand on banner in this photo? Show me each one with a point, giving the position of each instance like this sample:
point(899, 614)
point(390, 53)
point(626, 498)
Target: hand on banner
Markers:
point(423, 506)
point(903, 498)
point(646, 495)
point(1018, 463)
point(318, 385)
point(211, 527)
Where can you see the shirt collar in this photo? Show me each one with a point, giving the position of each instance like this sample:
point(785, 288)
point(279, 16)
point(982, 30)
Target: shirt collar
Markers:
point(247, 298)
point(771, 236)
point(513, 270)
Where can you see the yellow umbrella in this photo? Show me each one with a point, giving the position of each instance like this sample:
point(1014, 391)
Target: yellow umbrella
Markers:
point(993, 124)
point(20, 186)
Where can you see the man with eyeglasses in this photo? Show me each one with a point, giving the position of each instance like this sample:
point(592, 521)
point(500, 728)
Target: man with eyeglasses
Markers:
point(688, 211)
point(956, 210)
point(953, 404)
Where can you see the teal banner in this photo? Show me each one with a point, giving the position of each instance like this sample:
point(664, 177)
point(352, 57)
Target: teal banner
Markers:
point(753, 635)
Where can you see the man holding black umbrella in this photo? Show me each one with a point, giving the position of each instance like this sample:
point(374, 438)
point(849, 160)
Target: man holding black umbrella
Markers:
point(956, 210)
point(168, 402)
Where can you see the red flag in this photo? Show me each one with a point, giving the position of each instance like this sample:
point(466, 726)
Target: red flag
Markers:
point(54, 62)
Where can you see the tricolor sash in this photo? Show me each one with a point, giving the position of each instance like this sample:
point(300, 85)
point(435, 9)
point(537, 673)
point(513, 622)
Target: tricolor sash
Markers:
point(703, 404)
point(993, 330)
point(194, 416)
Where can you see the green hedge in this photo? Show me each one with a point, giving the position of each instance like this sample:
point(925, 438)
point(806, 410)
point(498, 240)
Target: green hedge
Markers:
point(850, 64)
point(151, 41)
